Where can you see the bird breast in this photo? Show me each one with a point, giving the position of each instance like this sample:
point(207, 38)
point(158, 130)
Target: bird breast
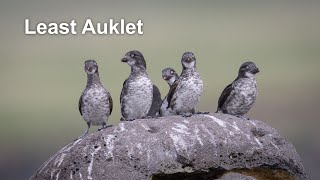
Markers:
point(189, 92)
point(139, 97)
point(95, 105)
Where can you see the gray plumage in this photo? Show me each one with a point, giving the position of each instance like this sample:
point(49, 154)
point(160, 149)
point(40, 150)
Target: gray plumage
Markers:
point(156, 103)
point(170, 76)
point(239, 96)
point(95, 103)
point(137, 92)
point(186, 92)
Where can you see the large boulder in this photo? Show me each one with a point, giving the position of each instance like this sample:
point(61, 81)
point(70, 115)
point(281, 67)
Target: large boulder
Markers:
point(213, 146)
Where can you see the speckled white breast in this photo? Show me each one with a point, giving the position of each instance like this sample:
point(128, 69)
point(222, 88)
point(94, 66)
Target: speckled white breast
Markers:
point(243, 96)
point(95, 107)
point(188, 93)
point(139, 98)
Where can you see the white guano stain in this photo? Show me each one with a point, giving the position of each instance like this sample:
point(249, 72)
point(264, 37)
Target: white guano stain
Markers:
point(109, 140)
point(76, 142)
point(52, 158)
point(275, 145)
point(60, 160)
point(234, 125)
point(121, 128)
point(71, 175)
point(218, 121)
point(253, 123)
point(196, 130)
point(148, 156)
point(139, 146)
point(258, 142)
point(181, 128)
point(186, 121)
point(224, 124)
point(91, 162)
point(178, 142)
point(58, 174)
point(80, 175)
point(130, 151)
point(211, 136)
point(145, 126)
point(51, 174)
point(67, 148)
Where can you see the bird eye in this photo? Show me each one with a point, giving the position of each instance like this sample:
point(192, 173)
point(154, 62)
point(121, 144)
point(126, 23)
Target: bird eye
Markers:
point(132, 55)
point(171, 72)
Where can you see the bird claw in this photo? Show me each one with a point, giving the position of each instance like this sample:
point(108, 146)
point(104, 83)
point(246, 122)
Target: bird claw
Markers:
point(104, 127)
point(148, 117)
point(185, 115)
point(123, 119)
point(242, 117)
point(202, 112)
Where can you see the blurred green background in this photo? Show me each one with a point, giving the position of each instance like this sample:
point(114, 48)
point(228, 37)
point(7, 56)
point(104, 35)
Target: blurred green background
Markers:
point(42, 76)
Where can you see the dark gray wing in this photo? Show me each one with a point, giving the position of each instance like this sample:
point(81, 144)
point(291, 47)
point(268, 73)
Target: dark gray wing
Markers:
point(156, 102)
point(224, 96)
point(80, 105)
point(124, 92)
point(171, 92)
point(110, 102)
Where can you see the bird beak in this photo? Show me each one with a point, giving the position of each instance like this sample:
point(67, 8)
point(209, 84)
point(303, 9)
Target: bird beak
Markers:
point(256, 70)
point(125, 59)
point(166, 77)
point(189, 60)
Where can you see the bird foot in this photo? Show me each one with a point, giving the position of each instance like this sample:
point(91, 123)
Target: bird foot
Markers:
point(185, 115)
point(202, 112)
point(242, 117)
point(104, 127)
point(123, 119)
point(148, 117)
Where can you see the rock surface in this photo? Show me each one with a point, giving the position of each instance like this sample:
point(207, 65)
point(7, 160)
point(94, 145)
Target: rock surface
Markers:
point(213, 146)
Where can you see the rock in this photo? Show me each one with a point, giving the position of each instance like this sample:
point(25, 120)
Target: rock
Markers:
point(236, 176)
point(200, 147)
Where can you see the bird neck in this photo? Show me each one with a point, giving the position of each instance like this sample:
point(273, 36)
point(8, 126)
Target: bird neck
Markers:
point(246, 75)
point(137, 70)
point(188, 70)
point(93, 79)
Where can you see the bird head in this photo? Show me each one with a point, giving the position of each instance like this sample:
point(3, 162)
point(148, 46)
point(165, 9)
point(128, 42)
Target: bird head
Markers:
point(248, 69)
point(169, 75)
point(188, 60)
point(134, 58)
point(90, 66)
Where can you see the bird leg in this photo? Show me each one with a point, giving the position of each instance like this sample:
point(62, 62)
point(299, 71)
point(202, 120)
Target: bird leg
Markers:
point(85, 132)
